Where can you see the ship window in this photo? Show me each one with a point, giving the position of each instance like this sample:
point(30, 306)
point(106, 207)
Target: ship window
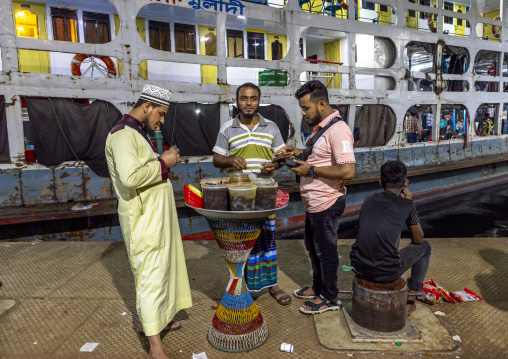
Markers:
point(383, 8)
point(485, 86)
point(64, 24)
point(256, 45)
point(235, 43)
point(504, 129)
point(159, 35)
point(26, 24)
point(485, 63)
point(415, 84)
point(455, 61)
point(420, 56)
point(412, 127)
point(425, 3)
point(452, 124)
point(485, 120)
point(367, 5)
point(448, 6)
point(192, 126)
point(4, 140)
point(185, 38)
point(504, 70)
point(97, 28)
point(374, 125)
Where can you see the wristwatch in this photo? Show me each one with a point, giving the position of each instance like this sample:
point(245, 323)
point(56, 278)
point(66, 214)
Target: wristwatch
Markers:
point(311, 172)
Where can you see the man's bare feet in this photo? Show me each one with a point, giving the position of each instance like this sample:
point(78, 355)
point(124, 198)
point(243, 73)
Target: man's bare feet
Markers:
point(156, 348)
point(411, 305)
point(309, 292)
point(278, 296)
point(157, 354)
point(171, 326)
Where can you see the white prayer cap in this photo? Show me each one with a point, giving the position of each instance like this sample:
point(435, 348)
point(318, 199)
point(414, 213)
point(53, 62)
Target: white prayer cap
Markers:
point(156, 95)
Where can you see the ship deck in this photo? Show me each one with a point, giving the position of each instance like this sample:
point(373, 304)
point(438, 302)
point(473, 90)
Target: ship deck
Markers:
point(58, 296)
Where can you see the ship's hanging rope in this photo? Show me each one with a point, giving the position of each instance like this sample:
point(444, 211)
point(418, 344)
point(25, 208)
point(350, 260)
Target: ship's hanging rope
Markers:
point(109, 115)
point(61, 129)
point(174, 123)
point(173, 130)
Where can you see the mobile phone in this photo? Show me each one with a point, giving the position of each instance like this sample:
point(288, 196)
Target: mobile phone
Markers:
point(291, 164)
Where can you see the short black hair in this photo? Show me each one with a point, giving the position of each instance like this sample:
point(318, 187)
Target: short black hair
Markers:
point(316, 89)
point(143, 101)
point(393, 174)
point(248, 84)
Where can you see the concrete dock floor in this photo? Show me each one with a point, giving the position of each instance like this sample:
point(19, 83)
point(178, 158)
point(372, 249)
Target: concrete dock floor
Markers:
point(58, 296)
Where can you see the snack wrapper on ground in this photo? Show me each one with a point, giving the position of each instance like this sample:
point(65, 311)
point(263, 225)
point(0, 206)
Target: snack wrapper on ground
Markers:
point(444, 293)
point(432, 296)
point(465, 295)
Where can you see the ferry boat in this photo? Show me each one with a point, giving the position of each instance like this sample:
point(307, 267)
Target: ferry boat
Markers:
point(70, 68)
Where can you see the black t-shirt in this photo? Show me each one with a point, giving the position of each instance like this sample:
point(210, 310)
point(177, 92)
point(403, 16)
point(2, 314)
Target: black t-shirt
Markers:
point(375, 254)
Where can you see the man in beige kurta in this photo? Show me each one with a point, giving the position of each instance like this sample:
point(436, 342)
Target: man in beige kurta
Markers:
point(147, 213)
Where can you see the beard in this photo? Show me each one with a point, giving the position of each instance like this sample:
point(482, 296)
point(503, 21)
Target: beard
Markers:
point(149, 129)
point(247, 116)
point(314, 120)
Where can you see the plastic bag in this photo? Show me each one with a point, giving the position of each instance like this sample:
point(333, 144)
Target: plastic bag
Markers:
point(465, 295)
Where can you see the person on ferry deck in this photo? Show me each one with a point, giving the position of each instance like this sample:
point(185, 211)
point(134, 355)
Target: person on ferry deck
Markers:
point(375, 255)
point(324, 166)
point(247, 143)
point(148, 219)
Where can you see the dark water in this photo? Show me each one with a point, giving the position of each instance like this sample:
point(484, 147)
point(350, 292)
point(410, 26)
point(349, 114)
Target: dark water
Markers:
point(482, 213)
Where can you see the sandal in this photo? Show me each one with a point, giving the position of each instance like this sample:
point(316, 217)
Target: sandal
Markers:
point(314, 307)
point(281, 298)
point(167, 328)
point(299, 294)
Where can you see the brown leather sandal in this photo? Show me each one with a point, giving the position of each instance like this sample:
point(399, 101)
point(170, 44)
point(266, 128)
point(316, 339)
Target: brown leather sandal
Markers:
point(281, 298)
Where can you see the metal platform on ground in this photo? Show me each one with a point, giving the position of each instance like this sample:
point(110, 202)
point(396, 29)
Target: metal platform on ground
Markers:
point(69, 294)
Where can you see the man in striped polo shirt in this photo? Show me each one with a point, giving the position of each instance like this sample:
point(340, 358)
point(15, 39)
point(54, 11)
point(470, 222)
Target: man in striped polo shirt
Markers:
point(247, 143)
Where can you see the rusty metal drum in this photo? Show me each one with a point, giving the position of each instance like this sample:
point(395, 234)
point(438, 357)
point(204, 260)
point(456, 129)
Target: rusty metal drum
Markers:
point(379, 306)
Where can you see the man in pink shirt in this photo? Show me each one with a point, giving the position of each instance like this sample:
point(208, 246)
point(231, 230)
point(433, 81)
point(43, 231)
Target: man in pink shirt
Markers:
point(324, 166)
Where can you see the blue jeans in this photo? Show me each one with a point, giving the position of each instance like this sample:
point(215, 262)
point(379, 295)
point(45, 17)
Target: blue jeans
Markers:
point(411, 137)
point(321, 243)
point(416, 257)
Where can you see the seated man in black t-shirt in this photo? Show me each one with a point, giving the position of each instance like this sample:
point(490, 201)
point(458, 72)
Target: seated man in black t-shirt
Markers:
point(375, 255)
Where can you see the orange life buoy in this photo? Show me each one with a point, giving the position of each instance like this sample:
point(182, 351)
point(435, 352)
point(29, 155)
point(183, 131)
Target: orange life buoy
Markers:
point(79, 58)
point(496, 31)
point(430, 23)
point(344, 5)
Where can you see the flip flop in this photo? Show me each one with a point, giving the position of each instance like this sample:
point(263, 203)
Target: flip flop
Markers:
point(281, 298)
point(167, 328)
point(314, 307)
point(299, 294)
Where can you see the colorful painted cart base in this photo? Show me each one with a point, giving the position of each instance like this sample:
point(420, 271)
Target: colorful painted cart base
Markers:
point(237, 325)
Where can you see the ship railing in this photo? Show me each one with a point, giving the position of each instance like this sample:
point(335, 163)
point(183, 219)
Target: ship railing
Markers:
point(318, 75)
